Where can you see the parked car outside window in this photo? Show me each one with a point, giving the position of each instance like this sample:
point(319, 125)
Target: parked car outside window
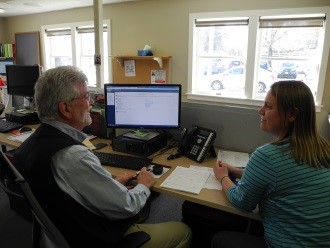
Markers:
point(290, 70)
point(234, 79)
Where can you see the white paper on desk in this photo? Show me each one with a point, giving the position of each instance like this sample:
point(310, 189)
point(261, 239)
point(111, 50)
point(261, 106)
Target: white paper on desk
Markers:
point(91, 136)
point(20, 137)
point(186, 179)
point(237, 159)
point(212, 182)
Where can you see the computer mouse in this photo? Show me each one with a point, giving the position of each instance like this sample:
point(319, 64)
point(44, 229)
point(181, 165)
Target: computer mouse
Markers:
point(173, 156)
point(25, 129)
point(157, 169)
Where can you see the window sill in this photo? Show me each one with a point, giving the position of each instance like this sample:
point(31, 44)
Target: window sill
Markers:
point(233, 102)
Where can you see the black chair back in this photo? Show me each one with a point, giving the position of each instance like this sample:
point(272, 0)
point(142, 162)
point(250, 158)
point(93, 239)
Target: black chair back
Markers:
point(45, 233)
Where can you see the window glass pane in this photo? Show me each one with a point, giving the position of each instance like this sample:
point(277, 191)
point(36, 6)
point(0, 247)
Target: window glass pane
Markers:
point(86, 56)
point(293, 53)
point(267, 45)
point(106, 53)
point(221, 60)
point(88, 67)
point(87, 43)
point(60, 50)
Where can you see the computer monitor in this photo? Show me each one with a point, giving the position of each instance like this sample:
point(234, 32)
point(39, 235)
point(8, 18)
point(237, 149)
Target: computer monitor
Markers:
point(21, 79)
point(143, 106)
point(3, 63)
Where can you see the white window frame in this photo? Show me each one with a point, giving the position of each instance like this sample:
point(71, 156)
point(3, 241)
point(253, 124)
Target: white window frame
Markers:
point(253, 39)
point(99, 85)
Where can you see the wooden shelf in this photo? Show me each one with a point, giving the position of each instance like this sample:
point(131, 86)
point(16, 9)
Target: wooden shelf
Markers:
point(143, 67)
point(159, 59)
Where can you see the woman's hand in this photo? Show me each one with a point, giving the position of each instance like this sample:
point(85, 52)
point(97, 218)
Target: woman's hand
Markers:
point(231, 170)
point(220, 170)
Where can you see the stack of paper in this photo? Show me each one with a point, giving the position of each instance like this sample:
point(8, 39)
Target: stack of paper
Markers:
point(237, 159)
point(186, 179)
point(20, 137)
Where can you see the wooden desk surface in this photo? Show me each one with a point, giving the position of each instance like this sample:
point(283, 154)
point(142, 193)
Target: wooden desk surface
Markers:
point(208, 197)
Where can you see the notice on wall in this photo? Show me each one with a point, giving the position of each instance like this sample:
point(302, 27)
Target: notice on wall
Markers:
point(129, 68)
point(158, 77)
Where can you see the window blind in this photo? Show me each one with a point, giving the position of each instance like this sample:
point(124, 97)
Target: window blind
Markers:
point(221, 22)
point(292, 22)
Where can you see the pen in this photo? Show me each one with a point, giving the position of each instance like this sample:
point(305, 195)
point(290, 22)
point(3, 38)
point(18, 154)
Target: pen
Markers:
point(137, 173)
point(166, 166)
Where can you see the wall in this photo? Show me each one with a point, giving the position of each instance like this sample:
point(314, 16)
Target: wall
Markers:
point(163, 24)
point(2, 28)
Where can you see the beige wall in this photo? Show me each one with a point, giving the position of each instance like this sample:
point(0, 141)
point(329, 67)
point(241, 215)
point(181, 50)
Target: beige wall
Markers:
point(2, 32)
point(163, 24)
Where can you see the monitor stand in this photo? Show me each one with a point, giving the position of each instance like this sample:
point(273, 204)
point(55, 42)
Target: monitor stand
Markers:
point(140, 134)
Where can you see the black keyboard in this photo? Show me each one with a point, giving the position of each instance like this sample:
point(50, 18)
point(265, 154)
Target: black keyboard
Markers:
point(123, 161)
point(7, 126)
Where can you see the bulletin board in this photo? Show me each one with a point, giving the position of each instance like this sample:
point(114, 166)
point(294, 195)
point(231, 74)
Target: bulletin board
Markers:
point(27, 48)
point(143, 68)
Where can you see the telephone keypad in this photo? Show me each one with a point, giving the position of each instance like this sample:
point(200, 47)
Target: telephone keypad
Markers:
point(194, 150)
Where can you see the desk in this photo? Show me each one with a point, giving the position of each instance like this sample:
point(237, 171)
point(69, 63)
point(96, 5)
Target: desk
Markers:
point(207, 197)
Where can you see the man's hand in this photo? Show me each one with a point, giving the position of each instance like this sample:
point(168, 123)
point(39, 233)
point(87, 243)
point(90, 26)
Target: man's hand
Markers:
point(146, 177)
point(124, 177)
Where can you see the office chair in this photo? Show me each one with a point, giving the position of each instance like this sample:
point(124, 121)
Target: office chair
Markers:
point(2, 108)
point(44, 233)
point(16, 198)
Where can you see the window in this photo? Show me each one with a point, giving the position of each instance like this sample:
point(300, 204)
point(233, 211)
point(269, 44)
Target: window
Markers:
point(74, 44)
point(234, 57)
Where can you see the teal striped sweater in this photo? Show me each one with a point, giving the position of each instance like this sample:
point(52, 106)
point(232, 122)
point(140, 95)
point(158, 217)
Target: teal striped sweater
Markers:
point(294, 200)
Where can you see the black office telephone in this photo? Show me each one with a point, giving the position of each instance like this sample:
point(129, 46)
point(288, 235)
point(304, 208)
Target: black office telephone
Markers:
point(197, 142)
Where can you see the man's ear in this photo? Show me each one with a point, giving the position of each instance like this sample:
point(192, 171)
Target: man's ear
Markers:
point(64, 109)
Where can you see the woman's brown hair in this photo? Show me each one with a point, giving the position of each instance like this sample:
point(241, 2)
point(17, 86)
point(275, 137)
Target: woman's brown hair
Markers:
point(294, 98)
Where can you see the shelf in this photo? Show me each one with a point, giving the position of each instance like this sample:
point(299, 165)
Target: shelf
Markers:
point(159, 59)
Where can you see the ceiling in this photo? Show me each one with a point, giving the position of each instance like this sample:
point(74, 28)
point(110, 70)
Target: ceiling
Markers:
point(25, 7)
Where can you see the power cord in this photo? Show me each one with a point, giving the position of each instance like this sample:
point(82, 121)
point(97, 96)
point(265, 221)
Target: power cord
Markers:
point(168, 147)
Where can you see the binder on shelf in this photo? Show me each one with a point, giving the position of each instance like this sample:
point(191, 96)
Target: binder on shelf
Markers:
point(7, 50)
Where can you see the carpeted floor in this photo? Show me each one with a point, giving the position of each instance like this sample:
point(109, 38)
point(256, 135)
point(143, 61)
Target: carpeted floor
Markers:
point(15, 231)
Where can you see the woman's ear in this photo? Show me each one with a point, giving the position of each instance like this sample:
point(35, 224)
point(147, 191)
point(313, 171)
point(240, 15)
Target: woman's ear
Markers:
point(293, 115)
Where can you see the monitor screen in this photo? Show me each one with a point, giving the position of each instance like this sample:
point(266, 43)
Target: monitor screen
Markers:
point(3, 63)
point(143, 106)
point(21, 79)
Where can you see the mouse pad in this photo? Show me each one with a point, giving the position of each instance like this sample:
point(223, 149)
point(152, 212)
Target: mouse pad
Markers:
point(165, 169)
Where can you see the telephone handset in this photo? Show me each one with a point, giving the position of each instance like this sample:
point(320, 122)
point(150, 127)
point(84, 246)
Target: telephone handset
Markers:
point(197, 142)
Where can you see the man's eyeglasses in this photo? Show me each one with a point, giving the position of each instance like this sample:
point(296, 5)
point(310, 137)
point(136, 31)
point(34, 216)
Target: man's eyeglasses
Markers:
point(87, 97)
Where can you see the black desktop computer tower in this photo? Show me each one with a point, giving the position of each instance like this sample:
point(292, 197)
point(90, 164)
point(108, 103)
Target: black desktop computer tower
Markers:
point(139, 147)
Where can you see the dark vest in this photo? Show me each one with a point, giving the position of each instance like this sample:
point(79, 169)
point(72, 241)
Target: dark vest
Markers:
point(81, 227)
